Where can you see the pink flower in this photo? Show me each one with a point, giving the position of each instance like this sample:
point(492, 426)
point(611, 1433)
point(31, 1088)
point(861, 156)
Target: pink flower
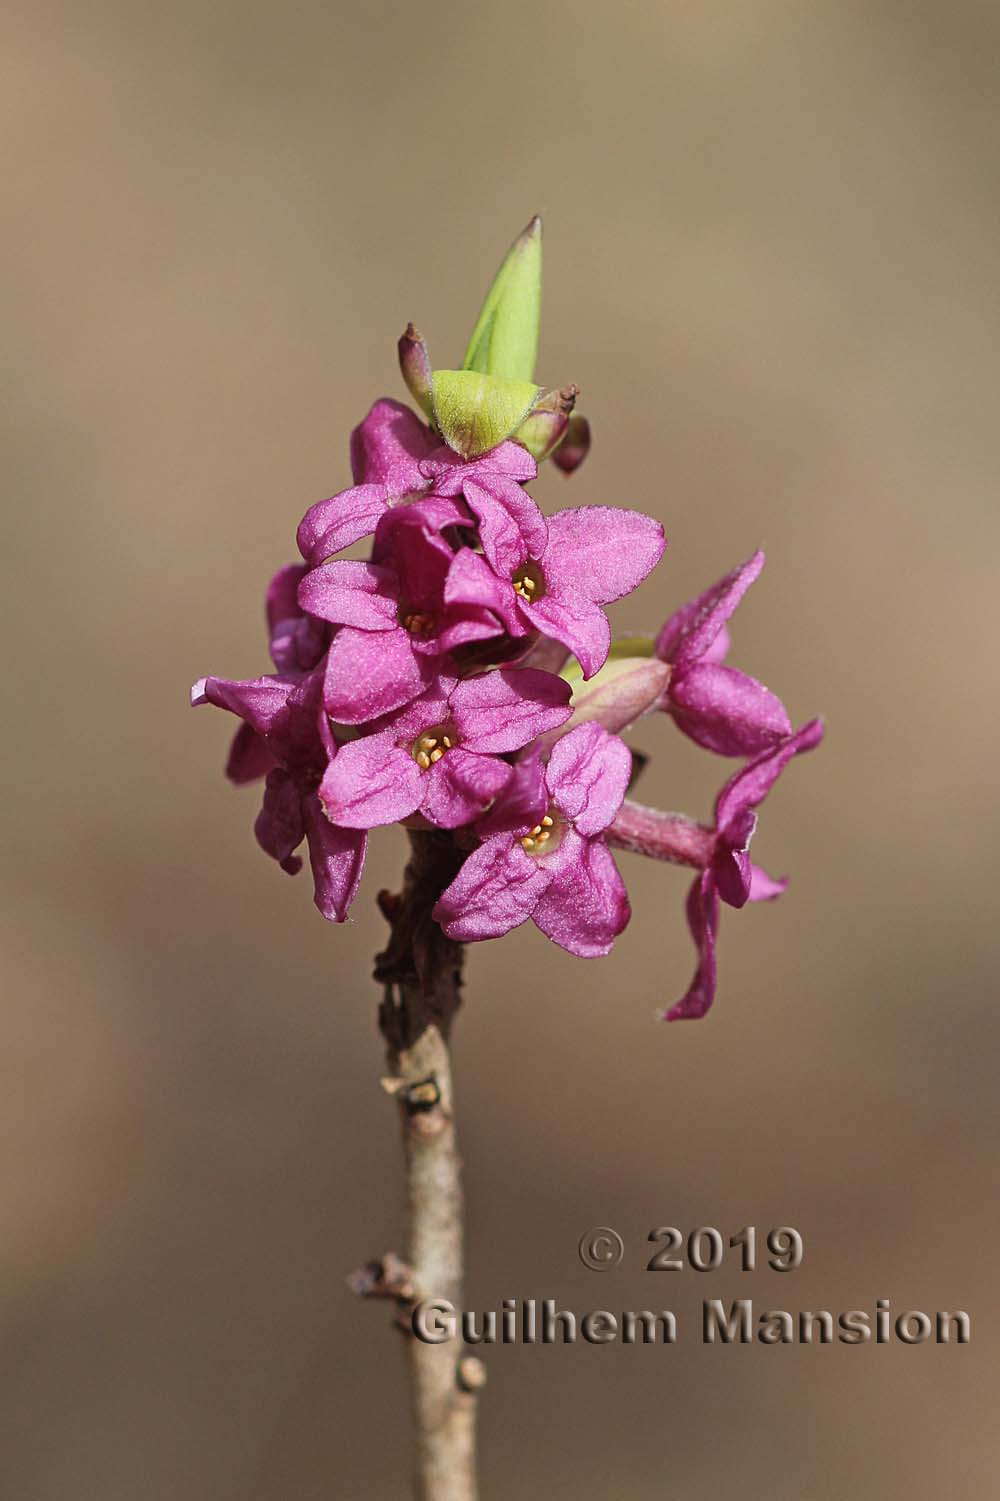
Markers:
point(510, 523)
point(396, 626)
point(592, 556)
point(719, 708)
point(721, 854)
point(386, 453)
point(441, 755)
point(285, 715)
point(543, 855)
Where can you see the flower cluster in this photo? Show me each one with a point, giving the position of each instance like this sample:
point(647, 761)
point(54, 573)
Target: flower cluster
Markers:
point(462, 677)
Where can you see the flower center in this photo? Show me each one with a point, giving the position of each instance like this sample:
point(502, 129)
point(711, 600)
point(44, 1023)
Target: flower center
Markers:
point(529, 582)
point(417, 622)
point(534, 842)
point(429, 747)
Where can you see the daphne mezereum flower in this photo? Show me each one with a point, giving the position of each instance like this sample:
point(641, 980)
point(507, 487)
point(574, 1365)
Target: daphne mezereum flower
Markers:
point(387, 449)
point(593, 555)
point(720, 853)
point(440, 756)
point(462, 677)
point(718, 707)
point(510, 525)
point(395, 622)
point(544, 856)
point(286, 714)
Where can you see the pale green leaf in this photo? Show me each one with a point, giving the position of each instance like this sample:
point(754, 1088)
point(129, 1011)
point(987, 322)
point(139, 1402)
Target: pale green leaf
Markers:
point(505, 339)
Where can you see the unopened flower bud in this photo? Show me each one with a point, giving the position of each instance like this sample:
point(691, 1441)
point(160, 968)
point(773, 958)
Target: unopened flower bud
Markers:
point(415, 365)
point(574, 447)
point(630, 684)
point(548, 422)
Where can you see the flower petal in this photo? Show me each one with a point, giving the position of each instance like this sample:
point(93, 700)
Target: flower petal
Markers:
point(725, 711)
point(359, 594)
point(587, 776)
point(522, 802)
point(601, 552)
point(370, 782)
point(337, 857)
point(261, 702)
point(504, 710)
point(389, 446)
point(460, 787)
point(586, 905)
point(764, 888)
point(249, 757)
point(510, 524)
point(577, 623)
point(333, 524)
point(751, 784)
point(282, 599)
point(370, 673)
point(449, 471)
point(703, 921)
point(692, 630)
point(472, 582)
point(496, 890)
point(279, 827)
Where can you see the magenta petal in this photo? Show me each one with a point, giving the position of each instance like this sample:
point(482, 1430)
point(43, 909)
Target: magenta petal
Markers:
point(461, 624)
point(764, 888)
point(472, 582)
point(692, 630)
point(703, 921)
point(281, 602)
point(586, 905)
point(333, 524)
point(751, 784)
point(370, 782)
point(249, 757)
point(510, 524)
point(359, 594)
point(523, 801)
point(450, 472)
point(460, 787)
point(720, 647)
point(587, 776)
point(388, 447)
point(732, 871)
point(577, 623)
point(258, 701)
point(725, 711)
point(337, 857)
point(370, 673)
point(601, 552)
point(279, 827)
point(496, 890)
point(503, 710)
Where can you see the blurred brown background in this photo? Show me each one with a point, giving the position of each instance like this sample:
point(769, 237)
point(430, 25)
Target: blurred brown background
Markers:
point(772, 242)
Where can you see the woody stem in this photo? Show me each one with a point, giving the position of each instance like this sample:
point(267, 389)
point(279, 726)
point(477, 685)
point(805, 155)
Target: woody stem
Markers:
point(421, 972)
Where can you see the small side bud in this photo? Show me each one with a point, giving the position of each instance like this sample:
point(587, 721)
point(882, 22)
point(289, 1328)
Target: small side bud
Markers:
point(548, 422)
point(574, 447)
point(505, 339)
point(475, 412)
point(630, 684)
point(415, 365)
